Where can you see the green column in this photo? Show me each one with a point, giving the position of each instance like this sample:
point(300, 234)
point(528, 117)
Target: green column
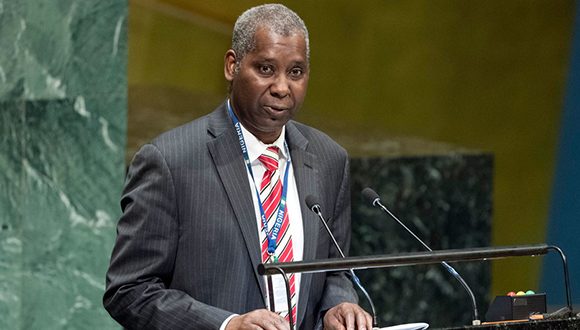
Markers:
point(63, 109)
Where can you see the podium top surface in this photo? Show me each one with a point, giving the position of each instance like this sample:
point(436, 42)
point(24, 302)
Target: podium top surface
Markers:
point(568, 323)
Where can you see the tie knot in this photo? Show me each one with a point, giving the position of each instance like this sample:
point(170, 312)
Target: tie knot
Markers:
point(270, 158)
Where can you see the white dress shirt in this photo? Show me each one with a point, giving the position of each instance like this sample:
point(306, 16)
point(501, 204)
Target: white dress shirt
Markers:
point(255, 148)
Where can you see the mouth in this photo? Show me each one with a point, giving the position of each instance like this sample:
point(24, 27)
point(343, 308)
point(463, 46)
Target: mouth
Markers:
point(275, 108)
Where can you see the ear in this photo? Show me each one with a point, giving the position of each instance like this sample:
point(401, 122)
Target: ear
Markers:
point(230, 65)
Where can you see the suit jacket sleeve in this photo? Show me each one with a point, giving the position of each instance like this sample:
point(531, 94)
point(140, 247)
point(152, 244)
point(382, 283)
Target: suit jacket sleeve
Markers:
point(137, 293)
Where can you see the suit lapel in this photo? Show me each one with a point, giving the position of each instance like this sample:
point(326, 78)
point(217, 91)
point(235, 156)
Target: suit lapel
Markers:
point(227, 156)
point(228, 159)
point(305, 174)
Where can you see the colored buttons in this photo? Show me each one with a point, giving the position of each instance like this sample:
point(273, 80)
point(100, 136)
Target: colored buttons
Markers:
point(519, 293)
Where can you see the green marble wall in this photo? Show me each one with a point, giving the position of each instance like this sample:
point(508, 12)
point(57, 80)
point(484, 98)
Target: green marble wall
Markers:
point(63, 112)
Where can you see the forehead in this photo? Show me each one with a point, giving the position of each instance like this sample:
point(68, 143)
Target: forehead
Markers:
point(271, 45)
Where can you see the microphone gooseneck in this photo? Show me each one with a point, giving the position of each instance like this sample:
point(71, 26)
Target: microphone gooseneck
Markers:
point(314, 206)
point(375, 200)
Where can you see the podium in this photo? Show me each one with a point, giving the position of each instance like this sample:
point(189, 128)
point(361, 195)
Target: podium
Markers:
point(568, 323)
point(417, 258)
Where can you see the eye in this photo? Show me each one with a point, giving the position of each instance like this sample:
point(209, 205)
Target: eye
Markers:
point(265, 69)
point(296, 72)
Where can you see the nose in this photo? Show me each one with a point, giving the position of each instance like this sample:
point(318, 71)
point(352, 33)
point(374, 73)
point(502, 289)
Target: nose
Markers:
point(280, 86)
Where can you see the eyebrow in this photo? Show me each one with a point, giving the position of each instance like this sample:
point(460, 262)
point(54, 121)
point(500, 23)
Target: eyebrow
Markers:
point(273, 60)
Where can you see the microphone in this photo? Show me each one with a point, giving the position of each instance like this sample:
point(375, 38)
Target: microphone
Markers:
point(314, 206)
point(375, 200)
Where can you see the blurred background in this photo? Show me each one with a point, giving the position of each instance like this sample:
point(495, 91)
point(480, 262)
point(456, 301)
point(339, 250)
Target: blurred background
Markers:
point(483, 75)
point(83, 84)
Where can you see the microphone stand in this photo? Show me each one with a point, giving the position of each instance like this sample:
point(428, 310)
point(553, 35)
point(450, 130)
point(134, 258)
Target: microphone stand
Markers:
point(375, 200)
point(316, 209)
point(449, 268)
point(566, 276)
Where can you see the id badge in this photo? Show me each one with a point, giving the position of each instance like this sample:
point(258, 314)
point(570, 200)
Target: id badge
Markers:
point(279, 290)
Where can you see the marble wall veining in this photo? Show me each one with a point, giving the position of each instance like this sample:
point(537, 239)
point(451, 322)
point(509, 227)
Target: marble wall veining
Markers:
point(62, 49)
point(63, 105)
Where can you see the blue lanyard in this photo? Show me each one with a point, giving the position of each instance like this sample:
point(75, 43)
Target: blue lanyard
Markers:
point(273, 237)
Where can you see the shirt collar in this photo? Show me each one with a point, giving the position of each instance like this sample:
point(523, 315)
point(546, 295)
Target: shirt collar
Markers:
point(257, 147)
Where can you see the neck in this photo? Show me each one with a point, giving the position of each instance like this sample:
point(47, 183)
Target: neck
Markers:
point(267, 138)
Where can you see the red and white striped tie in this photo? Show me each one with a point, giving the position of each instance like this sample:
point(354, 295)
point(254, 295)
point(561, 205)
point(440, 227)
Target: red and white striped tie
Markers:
point(270, 194)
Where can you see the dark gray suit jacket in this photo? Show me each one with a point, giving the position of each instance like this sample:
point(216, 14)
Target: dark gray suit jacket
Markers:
point(187, 242)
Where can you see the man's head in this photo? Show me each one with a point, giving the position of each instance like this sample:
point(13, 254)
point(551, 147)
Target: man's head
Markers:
point(268, 68)
point(274, 17)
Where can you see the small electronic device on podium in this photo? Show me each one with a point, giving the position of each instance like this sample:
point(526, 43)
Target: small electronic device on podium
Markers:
point(516, 306)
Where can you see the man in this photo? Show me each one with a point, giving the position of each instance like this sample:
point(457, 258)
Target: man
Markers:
point(205, 203)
